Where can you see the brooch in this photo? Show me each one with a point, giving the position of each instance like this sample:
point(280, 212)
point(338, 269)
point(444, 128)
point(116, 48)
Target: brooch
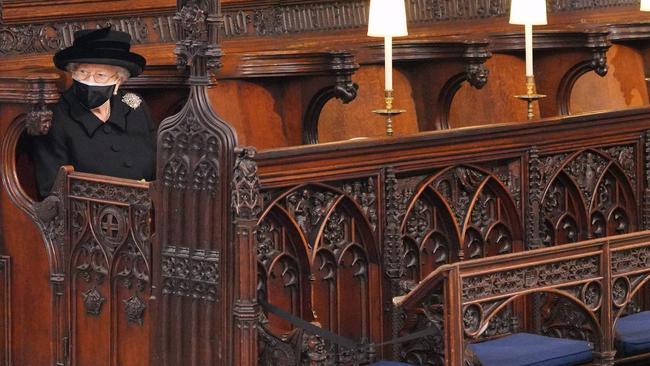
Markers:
point(132, 100)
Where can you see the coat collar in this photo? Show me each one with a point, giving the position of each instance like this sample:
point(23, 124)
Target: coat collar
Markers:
point(89, 121)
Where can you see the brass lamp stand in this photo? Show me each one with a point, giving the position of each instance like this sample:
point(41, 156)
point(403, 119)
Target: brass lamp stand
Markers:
point(388, 112)
point(530, 95)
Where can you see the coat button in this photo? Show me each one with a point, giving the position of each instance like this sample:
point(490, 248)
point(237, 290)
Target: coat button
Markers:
point(116, 147)
point(107, 129)
point(128, 164)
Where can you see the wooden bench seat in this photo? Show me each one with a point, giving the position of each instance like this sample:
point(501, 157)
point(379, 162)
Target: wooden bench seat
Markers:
point(632, 334)
point(525, 349)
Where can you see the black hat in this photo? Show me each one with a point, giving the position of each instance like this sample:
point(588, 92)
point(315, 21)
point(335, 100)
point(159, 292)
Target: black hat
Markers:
point(101, 46)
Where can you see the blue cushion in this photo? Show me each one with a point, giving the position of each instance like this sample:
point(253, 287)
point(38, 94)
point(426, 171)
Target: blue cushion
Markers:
point(523, 349)
point(390, 363)
point(632, 333)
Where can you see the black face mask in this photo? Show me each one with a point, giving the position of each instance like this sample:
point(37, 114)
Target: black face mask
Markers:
point(92, 96)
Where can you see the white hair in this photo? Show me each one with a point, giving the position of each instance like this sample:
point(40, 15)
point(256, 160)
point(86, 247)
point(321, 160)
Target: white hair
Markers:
point(119, 70)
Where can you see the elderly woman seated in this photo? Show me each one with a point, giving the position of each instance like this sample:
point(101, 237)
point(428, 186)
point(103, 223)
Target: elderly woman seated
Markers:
point(96, 127)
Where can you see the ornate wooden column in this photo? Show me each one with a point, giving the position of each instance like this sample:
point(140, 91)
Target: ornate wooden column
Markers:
point(207, 312)
point(247, 206)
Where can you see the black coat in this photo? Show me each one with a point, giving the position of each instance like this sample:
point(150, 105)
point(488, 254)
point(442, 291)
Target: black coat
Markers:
point(123, 146)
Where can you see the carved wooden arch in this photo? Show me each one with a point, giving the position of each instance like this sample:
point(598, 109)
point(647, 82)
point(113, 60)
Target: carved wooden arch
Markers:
point(292, 281)
point(578, 218)
point(598, 64)
point(131, 268)
point(485, 320)
point(91, 263)
point(355, 266)
point(342, 198)
point(488, 181)
point(511, 216)
point(629, 210)
point(344, 90)
point(48, 214)
point(280, 215)
point(413, 249)
point(476, 74)
point(309, 252)
point(351, 207)
point(268, 259)
point(583, 223)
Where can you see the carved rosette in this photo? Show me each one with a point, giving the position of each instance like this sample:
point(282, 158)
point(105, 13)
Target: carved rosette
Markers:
point(91, 266)
point(93, 301)
point(134, 309)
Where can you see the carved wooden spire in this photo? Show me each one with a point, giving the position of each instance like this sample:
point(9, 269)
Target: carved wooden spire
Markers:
point(203, 318)
point(198, 24)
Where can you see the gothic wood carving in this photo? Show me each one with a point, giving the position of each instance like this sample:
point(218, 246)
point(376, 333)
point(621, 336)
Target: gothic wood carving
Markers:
point(344, 89)
point(598, 44)
point(262, 20)
point(246, 206)
point(461, 212)
point(476, 74)
point(195, 162)
point(334, 69)
point(312, 240)
point(590, 194)
point(109, 262)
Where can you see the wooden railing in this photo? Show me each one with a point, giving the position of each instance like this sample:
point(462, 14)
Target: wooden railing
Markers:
point(592, 282)
point(348, 226)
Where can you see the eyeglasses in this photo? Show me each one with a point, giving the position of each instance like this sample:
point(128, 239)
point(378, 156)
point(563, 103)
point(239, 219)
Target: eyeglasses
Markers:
point(99, 76)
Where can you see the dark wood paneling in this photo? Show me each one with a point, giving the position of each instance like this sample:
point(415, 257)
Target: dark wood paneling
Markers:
point(622, 87)
point(5, 310)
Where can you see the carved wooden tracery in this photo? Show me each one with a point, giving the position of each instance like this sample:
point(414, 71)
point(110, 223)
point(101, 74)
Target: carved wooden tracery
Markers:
point(460, 212)
point(588, 194)
point(313, 241)
point(109, 264)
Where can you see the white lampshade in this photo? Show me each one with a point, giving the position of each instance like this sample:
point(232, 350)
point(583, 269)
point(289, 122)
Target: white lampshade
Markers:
point(387, 18)
point(645, 5)
point(532, 12)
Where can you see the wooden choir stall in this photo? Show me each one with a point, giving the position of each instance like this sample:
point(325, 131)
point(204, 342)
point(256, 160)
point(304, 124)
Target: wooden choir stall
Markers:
point(285, 228)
